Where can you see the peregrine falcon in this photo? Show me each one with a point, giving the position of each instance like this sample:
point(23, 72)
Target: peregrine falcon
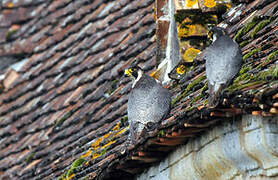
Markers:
point(148, 103)
point(223, 62)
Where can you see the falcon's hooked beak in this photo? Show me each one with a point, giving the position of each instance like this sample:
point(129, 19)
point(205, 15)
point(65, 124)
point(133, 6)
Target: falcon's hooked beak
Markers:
point(131, 72)
point(210, 35)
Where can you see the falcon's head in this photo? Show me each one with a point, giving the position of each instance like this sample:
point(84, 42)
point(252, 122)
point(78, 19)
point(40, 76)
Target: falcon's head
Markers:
point(133, 71)
point(215, 33)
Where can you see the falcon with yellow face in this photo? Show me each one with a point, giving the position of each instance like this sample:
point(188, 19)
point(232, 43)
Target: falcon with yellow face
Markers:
point(223, 62)
point(148, 102)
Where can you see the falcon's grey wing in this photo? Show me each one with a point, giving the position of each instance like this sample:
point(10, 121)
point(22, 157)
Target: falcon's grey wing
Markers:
point(131, 137)
point(148, 102)
point(161, 105)
point(223, 62)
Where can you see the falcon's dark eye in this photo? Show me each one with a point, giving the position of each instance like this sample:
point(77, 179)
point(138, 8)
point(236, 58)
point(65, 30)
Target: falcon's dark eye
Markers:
point(134, 73)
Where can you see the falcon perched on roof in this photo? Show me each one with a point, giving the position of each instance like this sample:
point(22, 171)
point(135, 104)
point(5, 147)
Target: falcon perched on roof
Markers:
point(223, 62)
point(148, 102)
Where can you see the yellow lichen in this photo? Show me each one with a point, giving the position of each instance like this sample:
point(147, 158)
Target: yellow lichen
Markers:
point(98, 149)
point(10, 5)
point(70, 177)
point(155, 13)
point(191, 3)
point(108, 144)
point(153, 74)
point(210, 3)
point(97, 142)
point(228, 5)
point(156, 74)
point(120, 132)
point(107, 135)
point(192, 29)
point(181, 69)
point(87, 154)
point(117, 127)
point(190, 54)
point(188, 30)
point(95, 155)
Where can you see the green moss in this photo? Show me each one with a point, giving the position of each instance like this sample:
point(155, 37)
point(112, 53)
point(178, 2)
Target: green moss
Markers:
point(10, 33)
point(103, 152)
point(260, 26)
point(245, 69)
point(188, 89)
point(272, 72)
point(259, 66)
point(242, 86)
point(251, 53)
point(197, 98)
point(62, 119)
point(175, 100)
point(30, 157)
point(205, 102)
point(123, 121)
point(201, 95)
point(115, 81)
point(70, 172)
point(272, 55)
point(244, 77)
point(161, 133)
point(243, 43)
point(77, 163)
point(247, 81)
point(194, 83)
point(245, 29)
point(243, 74)
point(203, 90)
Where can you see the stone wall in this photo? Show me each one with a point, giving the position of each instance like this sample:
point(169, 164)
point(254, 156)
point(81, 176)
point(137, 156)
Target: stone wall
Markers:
point(243, 148)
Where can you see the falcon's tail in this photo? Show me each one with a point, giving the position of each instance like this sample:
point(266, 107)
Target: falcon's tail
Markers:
point(213, 100)
point(131, 137)
point(214, 95)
